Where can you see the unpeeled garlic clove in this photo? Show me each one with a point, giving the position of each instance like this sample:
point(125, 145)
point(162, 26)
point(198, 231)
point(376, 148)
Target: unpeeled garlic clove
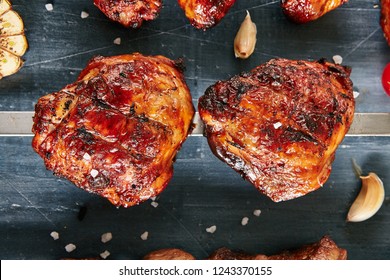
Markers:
point(245, 40)
point(369, 199)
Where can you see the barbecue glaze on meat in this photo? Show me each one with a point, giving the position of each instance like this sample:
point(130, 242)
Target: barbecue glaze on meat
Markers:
point(280, 124)
point(385, 19)
point(130, 13)
point(204, 14)
point(302, 11)
point(116, 130)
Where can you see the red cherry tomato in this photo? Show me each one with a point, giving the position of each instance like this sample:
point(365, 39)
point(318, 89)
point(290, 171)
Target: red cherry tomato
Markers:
point(386, 79)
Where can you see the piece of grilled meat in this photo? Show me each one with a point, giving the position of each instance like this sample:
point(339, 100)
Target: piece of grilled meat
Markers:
point(385, 19)
point(204, 14)
point(280, 124)
point(325, 249)
point(116, 130)
point(130, 13)
point(302, 11)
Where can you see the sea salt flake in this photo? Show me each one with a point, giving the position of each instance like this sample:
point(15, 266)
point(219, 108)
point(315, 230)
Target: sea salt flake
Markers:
point(106, 237)
point(244, 221)
point(70, 247)
point(355, 94)
point(117, 41)
point(257, 212)
point(94, 173)
point(49, 7)
point(154, 204)
point(86, 156)
point(211, 229)
point(55, 235)
point(277, 125)
point(105, 254)
point(84, 14)
point(144, 236)
point(337, 59)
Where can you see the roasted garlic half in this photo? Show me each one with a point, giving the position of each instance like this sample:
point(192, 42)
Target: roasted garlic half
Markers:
point(13, 42)
point(369, 199)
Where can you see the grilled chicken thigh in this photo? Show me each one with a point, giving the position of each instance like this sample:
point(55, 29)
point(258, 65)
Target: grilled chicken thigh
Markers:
point(116, 130)
point(280, 124)
point(130, 13)
point(302, 11)
point(385, 19)
point(204, 14)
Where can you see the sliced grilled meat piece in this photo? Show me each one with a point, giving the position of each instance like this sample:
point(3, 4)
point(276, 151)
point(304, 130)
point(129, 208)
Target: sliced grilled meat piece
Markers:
point(280, 124)
point(204, 14)
point(130, 13)
point(116, 130)
point(302, 11)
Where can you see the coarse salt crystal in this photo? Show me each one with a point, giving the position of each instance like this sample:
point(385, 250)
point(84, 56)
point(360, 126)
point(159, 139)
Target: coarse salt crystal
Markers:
point(106, 237)
point(117, 41)
point(153, 198)
point(244, 221)
point(55, 235)
point(144, 236)
point(257, 212)
point(94, 173)
point(84, 14)
point(105, 254)
point(355, 94)
point(211, 229)
point(154, 204)
point(70, 247)
point(337, 59)
point(86, 156)
point(49, 7)
point(277, 125)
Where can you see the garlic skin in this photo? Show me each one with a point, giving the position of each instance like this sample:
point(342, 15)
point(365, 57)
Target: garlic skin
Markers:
point(245, 40)
point(369, 199)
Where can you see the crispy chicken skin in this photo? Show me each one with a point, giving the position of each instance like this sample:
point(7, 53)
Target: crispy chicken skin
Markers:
point(130, 13)
point(385, 19)
point(204, 14)
point(302, 11)
point(325, 249)
point(280, 124)
point(116, 130)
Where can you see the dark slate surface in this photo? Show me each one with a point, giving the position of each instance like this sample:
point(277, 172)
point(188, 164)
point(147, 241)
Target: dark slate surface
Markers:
point(203, 191)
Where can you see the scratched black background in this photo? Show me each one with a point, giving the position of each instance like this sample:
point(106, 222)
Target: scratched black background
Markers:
point(203, 191)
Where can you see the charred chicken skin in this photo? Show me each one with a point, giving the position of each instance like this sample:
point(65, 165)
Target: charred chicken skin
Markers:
point(204, 14)
point(130, 13)
point(325, 249)
point(280, 124)
point(302, 11)
point(385, 19)
point(116, 130)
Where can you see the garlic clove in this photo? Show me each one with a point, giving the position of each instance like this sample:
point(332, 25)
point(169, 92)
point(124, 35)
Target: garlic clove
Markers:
point(369, 199)
point(245, 40)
